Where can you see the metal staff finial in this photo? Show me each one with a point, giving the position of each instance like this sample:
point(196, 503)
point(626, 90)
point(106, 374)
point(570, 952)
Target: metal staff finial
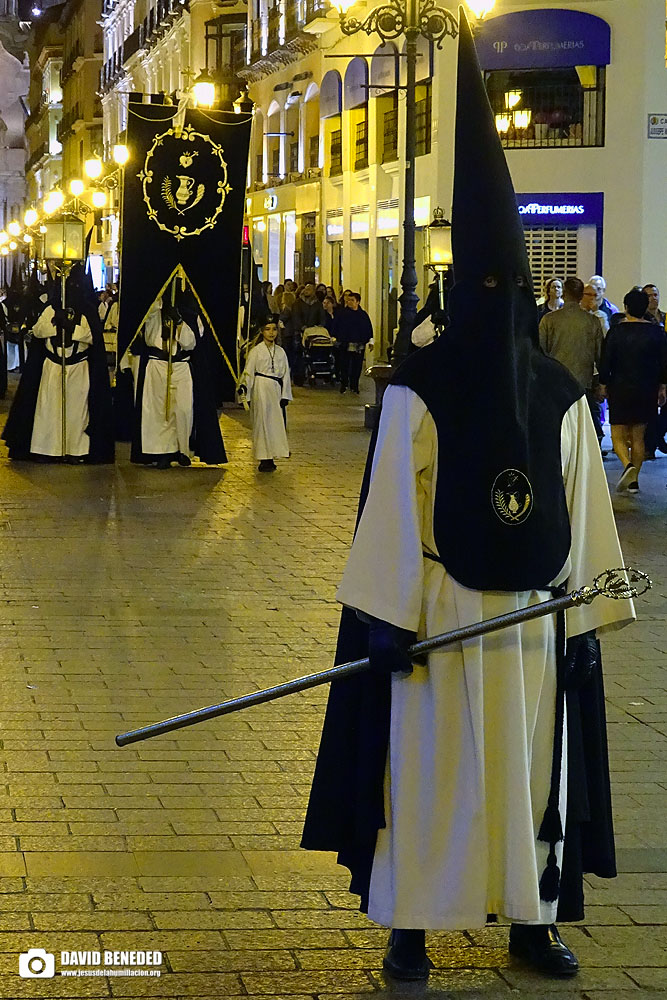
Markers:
point(611, 583)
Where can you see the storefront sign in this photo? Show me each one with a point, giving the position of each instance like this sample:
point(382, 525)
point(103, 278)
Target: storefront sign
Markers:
point(657, 126)
point(585, 209)
point(335, 228)
point(535, 39)
point(271, 202)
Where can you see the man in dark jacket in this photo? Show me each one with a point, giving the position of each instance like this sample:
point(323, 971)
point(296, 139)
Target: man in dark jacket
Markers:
point(352, 330)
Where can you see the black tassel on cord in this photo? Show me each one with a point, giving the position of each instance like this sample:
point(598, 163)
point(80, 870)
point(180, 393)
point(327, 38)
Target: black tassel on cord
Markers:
point(550, 881)
point(551, 829)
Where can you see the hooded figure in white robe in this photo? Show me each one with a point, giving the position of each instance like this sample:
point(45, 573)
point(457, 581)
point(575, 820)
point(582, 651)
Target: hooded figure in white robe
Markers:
point(465, 786)
point(268, 388)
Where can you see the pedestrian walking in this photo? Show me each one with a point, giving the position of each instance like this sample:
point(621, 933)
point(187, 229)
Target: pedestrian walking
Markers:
point(352, 330)
point(553, 297)
point(574, 337)
point(286, 321)
point(308, 320)
point(267, 385)
point(589, 304)
point(441, 784)
point(600, 286)
point(657, 427)
point(633, 373)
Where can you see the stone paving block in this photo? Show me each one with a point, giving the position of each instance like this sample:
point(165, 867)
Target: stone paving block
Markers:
point(263, 984)
point(78, 863)
point(215, 919)
point(284, 939)
point(45, 902)
point(236, 961)
point(11, 863)
point(181, 862)
point(178, 985)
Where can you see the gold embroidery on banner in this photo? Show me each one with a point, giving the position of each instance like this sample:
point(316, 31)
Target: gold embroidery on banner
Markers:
point(182, 192)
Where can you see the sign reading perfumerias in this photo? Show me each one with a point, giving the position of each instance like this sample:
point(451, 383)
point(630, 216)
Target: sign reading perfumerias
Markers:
point(184, 192)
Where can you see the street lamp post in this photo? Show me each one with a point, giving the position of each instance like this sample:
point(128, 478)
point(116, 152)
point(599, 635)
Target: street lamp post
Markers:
point(414, 19)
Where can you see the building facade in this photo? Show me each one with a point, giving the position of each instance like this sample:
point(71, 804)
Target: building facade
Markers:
point(80, 129)
point(579, 94)
point(14, 81)
point(44, 164)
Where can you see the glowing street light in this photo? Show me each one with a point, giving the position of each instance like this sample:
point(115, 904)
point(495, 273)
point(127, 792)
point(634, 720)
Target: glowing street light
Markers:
point(4, 238)
point(481, 8)
point(76, 187)
point(93, 168)
point(99, 199)
point(14, 229)
point(121, 154)
point(203, 91)
point(30, 217)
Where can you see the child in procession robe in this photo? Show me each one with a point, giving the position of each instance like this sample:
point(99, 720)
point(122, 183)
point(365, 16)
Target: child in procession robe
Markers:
point(267, 385)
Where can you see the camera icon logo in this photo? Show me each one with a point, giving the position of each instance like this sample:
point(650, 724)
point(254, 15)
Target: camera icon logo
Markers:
point(37, 964)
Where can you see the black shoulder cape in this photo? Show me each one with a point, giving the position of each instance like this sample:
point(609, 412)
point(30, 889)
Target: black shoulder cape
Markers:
point(206, 439)
point(346, 806)
point(18, 429)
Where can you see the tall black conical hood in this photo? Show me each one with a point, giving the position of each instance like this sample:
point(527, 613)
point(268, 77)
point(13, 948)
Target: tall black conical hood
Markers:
point(487, 235)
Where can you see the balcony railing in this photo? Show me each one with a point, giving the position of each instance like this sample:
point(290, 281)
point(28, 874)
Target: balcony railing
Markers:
point(390, 136)
point(67, 122)
point(133, 43)
point(361, 145)
point(423, 126)
point(336, 153)
point(550, 116)
point(36, 156)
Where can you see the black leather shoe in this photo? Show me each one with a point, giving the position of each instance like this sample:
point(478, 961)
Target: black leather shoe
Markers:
point(540, 945)
point(405, 958)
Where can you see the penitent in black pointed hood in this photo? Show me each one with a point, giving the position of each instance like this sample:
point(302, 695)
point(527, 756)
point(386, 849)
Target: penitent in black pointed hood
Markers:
point(484, 201)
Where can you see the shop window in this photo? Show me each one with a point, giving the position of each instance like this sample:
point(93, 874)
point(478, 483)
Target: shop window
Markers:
point(423, 119)
point(275, 162)
point(294, 157)
point(548, 108)
point(361, 143)
point(259, 166)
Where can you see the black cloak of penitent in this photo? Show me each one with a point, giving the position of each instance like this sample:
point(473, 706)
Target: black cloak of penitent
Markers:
point(484, 542)
point(206, 438)
point(80, 296)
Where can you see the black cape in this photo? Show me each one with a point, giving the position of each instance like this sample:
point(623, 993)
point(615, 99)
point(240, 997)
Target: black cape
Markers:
point(17, 432)
point(206, 439)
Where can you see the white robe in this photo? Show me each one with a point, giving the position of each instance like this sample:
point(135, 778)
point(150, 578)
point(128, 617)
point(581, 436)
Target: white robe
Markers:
point(269, 437)
point(160, 436)
point(47, 427)
point(471, 737)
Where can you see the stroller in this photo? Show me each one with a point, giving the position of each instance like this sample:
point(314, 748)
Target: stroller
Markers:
point(319, 360)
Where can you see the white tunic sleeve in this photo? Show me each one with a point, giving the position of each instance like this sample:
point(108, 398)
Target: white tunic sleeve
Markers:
point(595, 545)
point(44, 328)
point(285, 375)
point(82, 333)
point(187, 338)
point(385, 569)
point(249, 372)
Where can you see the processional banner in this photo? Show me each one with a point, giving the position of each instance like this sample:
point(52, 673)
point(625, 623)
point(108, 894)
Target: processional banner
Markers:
point(183, 202)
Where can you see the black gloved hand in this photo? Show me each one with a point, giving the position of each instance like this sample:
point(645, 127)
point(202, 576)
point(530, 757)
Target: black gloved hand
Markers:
point(582, 654)
point(284, 403)
point(387, 647)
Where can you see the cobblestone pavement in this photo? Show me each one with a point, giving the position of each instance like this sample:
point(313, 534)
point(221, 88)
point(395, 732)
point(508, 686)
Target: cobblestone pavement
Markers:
point(129, 595)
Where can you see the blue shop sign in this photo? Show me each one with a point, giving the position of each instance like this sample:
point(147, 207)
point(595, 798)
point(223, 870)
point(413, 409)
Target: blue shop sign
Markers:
point(538, 39)
point(585, 209)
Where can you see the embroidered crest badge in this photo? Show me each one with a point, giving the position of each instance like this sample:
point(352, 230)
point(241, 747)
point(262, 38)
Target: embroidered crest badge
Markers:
point(184, 181)
point(512, 496)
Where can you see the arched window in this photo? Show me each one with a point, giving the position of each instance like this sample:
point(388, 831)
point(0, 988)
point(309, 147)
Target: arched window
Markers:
point(330, 113)
point(356, 102)
point(384, 89)
point(311, 112)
